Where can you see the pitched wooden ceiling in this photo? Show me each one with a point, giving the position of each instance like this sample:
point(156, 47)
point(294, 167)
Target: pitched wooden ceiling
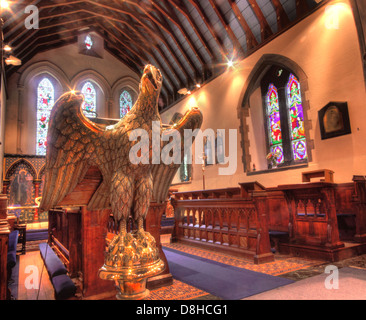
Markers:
point(188, 40)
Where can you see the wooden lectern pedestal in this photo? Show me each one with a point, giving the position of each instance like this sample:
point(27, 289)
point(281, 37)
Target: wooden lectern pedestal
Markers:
point(79, 235)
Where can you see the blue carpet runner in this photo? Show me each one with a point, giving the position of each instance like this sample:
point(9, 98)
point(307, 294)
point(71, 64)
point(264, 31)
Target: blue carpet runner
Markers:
point(37, 234)
point(223, 281)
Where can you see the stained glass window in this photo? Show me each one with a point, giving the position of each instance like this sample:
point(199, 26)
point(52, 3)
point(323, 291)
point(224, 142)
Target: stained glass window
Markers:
point(296, 119)
point(274, 123)
point(90, 97)
point(45, 101)
point(88, 42)
point(125, 103)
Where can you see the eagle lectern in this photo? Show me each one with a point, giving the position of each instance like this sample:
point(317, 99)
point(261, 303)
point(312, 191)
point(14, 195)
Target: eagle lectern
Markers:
point(129, 179)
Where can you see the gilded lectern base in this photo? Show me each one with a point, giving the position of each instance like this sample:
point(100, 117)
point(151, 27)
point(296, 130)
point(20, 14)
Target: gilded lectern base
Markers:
point(130, 260)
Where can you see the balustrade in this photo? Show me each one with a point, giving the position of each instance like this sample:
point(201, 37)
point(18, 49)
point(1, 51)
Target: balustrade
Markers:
point(225, 220)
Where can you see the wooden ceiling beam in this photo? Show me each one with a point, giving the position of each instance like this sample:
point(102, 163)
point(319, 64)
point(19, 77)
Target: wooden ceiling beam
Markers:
point(35, 40)
point(141, 56)
point(156, 21)
point(251, 40)
point(15, 16)
point(153, 33)
point(282, 19)
point(173, 18)
point(302, 8)
point(237, 46)
point(266, 30)
point(47, 42)
point(13, 37)
point(133, 63)
point(19, 16)
point(48, 25)
point(148, 43)
point(149, 52)
point(181, 7)
point(192, 65)
point(210, 28)
point(43, 33)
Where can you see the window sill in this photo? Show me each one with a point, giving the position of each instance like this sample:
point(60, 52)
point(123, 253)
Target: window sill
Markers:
point(183, 182)
point(292, 167)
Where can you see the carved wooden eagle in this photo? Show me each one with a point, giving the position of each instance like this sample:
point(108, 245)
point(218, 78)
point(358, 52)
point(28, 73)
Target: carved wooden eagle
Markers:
point(75, 143)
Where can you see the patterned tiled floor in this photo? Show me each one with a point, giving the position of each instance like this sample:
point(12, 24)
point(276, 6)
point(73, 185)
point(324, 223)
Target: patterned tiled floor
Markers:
point(177, 291)
point(282, 264)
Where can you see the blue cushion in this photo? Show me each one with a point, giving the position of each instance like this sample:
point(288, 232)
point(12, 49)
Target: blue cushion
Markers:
point(53, 264)
point(12, 259)
point(278, 233)
point(64, 287)
point(13, 240)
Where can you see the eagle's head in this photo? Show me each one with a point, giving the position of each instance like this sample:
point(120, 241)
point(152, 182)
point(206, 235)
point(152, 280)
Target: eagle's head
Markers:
point(71, 98)
point(151, 81)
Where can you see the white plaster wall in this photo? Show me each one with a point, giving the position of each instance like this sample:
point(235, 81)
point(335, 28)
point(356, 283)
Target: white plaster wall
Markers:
point(332, 62)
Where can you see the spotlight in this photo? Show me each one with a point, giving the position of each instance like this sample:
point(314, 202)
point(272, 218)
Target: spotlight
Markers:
point(7, 48)
point(198, 85)
point(230, 63)
point(13, 61)
point(183, 91)
point(4, 4)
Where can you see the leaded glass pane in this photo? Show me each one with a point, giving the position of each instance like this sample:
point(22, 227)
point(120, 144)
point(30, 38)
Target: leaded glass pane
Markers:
point(296, 118)
point(273, 113)
point(125, 103)
point(299, 149)
point(88, 42)
point(90, 97)
point(45, 102)
point(278, 151)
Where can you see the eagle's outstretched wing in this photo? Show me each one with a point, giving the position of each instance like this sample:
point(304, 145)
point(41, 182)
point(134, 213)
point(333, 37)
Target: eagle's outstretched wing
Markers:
point(72, 140)
point(163, 174)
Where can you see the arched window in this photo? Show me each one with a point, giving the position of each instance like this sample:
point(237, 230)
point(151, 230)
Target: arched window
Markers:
point(45, 101)
point(284, 116)
point(90, 97)
point(125, 103)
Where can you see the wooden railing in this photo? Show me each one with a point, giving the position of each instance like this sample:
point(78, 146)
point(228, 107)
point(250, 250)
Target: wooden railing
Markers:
point(232, 220)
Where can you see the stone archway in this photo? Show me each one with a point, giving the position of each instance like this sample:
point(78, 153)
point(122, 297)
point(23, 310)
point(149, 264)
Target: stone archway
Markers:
point(252, 83)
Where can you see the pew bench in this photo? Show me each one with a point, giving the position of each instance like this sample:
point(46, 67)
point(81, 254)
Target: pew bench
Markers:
point(64, 287)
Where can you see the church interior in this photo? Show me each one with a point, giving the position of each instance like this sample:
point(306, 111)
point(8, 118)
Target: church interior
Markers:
point(267, 203)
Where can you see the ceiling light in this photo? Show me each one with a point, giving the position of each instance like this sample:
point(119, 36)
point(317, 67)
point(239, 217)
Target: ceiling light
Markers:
point(4, 4)
point(198, 85)
point(13, 61)
point(183, 91)
point(230, 63)
point(7, 48)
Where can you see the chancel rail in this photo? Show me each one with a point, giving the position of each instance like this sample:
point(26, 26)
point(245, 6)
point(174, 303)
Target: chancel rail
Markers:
point(232, 220)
